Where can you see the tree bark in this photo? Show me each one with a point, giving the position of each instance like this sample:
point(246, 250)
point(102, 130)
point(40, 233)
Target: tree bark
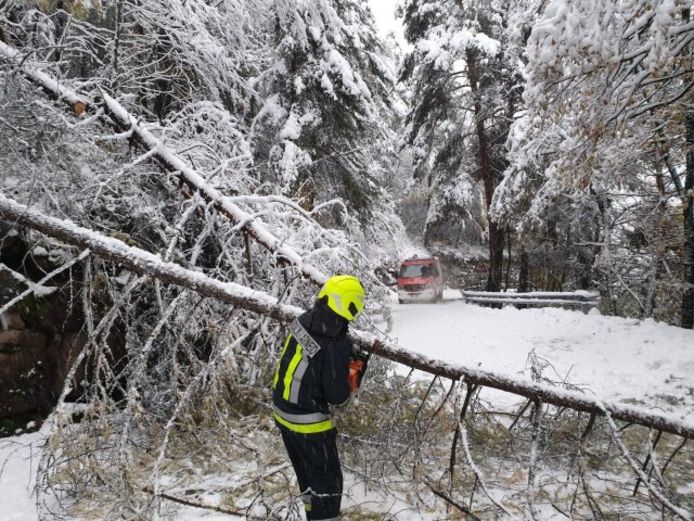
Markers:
point(604, 260)
point(508, 260)
point(687, 314)
point(656, 242)
point(523, 274)
point(688, 248)
point(496, 235)
point(496, 255)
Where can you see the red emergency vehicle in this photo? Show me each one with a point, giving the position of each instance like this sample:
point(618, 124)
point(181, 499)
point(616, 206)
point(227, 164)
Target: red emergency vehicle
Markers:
point(420, 279)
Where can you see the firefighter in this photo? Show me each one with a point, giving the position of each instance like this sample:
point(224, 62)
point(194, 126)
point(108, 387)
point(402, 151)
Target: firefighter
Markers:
point(318, 368)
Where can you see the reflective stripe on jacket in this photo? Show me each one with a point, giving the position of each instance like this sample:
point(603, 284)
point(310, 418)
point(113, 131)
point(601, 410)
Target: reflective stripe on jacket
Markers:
point(309, 423)
point(308, 378)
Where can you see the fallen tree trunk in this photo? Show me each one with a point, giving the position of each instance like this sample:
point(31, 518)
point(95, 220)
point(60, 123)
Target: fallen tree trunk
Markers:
point(146, 263)
point(54, 88)
point(551, 395)
point(143, 262)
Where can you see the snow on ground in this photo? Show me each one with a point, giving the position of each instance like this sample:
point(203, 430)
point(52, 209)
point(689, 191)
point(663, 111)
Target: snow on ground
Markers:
point(356, 495)
point(19, 458)
point(615, 358)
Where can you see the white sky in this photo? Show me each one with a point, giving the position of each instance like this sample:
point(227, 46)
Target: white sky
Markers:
point(384, 13)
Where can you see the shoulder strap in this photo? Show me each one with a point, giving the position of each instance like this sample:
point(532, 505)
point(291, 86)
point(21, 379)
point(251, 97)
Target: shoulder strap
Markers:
point(309, 345)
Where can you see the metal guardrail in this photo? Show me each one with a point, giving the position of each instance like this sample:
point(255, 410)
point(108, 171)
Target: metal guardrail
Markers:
point(583, 299)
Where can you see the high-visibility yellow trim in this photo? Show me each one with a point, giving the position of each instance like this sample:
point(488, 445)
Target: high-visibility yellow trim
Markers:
point(277, 371)
point(308, 428)
point(290, 372)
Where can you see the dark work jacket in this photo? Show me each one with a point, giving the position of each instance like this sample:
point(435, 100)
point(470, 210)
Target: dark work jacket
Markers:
point(325, 379)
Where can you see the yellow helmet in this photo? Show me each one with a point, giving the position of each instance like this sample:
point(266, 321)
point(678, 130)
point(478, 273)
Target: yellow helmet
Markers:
point(345, 295)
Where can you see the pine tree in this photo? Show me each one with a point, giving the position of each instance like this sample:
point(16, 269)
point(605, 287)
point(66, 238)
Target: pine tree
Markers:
point(466, 95)
point(324, 94)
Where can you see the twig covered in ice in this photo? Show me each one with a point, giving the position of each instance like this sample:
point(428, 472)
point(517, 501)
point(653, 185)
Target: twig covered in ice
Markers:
point(38, 288)
point(477, 472)
point(678, 511)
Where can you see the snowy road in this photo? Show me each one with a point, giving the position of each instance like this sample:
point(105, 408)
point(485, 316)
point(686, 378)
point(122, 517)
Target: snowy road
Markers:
point(617, 359)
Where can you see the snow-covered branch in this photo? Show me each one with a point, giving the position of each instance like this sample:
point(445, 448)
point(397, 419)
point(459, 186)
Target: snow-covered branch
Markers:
point(51, 85)
point(38, 288)
point(522, 387)
point(143, 262)
point(171, 161)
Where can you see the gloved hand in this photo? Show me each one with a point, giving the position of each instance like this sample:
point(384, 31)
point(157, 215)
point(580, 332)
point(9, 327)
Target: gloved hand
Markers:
point(357, 367)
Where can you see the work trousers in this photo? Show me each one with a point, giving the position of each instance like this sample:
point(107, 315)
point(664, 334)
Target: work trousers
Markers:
point(317, 467)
